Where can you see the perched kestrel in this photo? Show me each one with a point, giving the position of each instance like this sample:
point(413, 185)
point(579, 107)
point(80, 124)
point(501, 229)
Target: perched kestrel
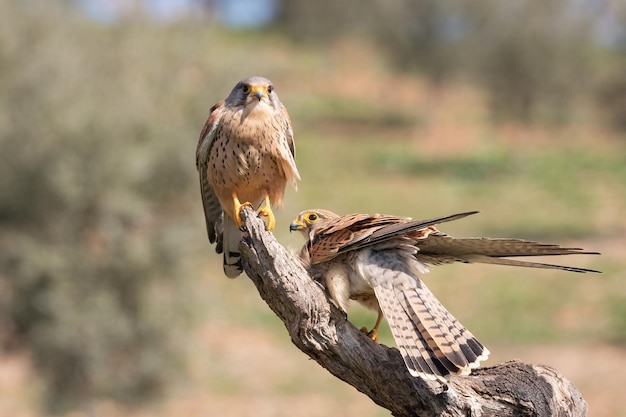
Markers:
point(376, 260)
point(245, 156)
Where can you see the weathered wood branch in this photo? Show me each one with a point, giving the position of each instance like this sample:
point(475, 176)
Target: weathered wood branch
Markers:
point(322, 332)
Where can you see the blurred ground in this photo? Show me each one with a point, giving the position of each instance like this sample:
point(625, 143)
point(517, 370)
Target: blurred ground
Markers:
point(114, 116)
point(274, 379)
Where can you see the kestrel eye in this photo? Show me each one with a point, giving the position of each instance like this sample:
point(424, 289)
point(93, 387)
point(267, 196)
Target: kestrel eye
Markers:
point(312, 217)
point(270, 89)
point(245, 88)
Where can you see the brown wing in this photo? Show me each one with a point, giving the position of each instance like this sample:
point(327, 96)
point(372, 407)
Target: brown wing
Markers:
point(438, 248)
point(205, 140)
point(213, 212)
point(357, 231)
point(286, 149)
point(392, 227)
point(335, 233)
point(289, 135)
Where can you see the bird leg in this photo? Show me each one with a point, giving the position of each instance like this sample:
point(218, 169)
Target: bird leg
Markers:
point(238, 205)
point(266, 210)
point(373, 334)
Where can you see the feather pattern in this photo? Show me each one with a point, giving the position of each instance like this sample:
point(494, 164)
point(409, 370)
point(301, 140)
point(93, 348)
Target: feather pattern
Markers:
point(232, 257)
point(377, 260)
point(245, 154)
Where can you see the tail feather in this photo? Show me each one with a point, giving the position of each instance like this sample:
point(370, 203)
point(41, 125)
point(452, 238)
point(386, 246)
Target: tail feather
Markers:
point(439, 248)
point(449, 339)
point(415, 351)
point(515, 262)
point(432, 342)
point(230, 245)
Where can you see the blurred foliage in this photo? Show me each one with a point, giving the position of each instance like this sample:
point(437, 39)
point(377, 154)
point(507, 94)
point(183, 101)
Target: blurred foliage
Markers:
point(616, 308)
point(535, 60)
point(90, 178)
point(611, 94)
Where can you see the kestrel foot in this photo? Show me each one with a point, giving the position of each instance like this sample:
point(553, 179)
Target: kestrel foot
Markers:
point(372, 334)
point(266, 210)
point(238, 205)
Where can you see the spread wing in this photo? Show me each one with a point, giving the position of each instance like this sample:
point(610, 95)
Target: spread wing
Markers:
point(358, 231)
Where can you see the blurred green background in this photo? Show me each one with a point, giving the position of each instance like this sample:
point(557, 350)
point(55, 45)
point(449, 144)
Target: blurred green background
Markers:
point(113, 303)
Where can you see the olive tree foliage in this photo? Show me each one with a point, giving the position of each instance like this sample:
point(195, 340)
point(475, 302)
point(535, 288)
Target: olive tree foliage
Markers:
point(611, 94)
point(537, 64)
point(533, 59)
point(96, 172)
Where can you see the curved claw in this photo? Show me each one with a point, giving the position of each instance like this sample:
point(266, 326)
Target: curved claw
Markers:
point(372, 334)
point(238, 205)
point(266, 210)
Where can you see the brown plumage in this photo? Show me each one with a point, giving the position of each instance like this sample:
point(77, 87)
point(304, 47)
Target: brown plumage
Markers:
point(245, 156)
point(376, 260)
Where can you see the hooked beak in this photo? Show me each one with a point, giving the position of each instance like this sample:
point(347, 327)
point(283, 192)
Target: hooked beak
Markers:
point(296, 225)
point(258, 92)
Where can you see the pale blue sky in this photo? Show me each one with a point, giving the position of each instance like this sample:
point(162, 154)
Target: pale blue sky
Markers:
point(236, 13)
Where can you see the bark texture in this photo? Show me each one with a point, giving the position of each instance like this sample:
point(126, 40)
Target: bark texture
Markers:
point(321, 331)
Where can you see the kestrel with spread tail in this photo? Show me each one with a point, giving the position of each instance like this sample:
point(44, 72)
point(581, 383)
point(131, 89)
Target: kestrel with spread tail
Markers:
point(377, 260)
point(245, 156)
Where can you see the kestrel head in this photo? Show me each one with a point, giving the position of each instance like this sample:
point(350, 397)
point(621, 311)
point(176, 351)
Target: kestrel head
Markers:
point(253, 91)
point(309, 221)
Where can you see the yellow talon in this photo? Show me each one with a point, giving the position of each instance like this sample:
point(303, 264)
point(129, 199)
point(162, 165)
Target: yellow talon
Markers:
point(237, 210)
point(266, 210)
point(373, 334)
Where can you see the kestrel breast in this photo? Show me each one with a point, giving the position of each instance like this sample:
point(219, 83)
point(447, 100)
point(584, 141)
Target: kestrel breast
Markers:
point(244, 159)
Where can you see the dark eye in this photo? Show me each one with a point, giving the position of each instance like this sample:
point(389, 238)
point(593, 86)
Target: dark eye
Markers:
point(270, 88)
point(245, 88)
point(312, 217)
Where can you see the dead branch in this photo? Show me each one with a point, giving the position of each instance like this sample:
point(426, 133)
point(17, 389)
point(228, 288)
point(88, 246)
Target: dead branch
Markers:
point(322, 332)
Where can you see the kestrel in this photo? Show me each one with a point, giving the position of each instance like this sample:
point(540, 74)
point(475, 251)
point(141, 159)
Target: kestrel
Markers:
point(245, 156)
point(377, 260)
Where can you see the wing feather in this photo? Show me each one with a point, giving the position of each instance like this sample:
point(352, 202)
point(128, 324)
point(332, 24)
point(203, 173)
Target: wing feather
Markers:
point(287, 150)
point(358, 231)
point(213, 213)
point(389, 253)
point(400, 227)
